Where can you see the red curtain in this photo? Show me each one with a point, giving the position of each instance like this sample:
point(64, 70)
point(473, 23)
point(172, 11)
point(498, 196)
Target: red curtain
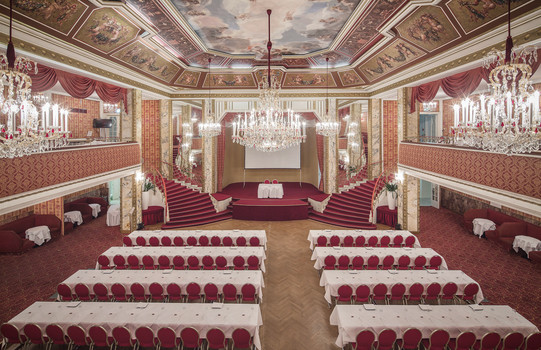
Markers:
point(77, 86)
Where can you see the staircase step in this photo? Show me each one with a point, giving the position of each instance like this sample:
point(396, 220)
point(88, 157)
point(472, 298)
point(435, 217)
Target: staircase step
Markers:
point(345, 215)
point(191, 215)
point(347, 210)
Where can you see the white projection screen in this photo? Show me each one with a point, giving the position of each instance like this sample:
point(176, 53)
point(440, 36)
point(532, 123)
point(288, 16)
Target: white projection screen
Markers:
point(289, 158)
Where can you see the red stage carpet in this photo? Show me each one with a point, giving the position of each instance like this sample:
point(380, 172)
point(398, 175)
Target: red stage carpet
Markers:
point(270, 209)
point(292, 190)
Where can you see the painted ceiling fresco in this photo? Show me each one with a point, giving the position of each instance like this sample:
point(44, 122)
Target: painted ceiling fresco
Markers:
point(171, 41)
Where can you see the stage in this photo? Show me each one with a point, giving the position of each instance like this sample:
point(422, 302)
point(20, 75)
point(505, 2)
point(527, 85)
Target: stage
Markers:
point(293, 206)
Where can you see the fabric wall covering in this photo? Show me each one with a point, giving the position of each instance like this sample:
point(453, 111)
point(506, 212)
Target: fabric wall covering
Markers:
point(150, 119)
point(390, 135)
point(77, 85)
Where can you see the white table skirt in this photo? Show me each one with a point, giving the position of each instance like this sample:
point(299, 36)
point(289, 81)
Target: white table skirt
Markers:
point(333, 279)
point(234, 234)
point(96, 209)
point(73, 216)
point(38, 234)
point(314, 234)
point(481, 225)
point(351, 319)
point(270, 191)
point(164, 277)
point(178, 316)
point(113, 215)
point(227, 252)
point(527, 243)
point(320, 253)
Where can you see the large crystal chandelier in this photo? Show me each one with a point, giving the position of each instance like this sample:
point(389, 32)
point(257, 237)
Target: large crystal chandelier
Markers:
point(507, 121)
point(269, 128)
point(327, 127)
point(20, 130)
point(209, 128)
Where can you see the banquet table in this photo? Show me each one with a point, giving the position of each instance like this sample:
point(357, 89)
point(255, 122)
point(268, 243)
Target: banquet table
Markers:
point(333, 279)
point(164, 277)
point(314, 234)
point(96, 209)
point(320, 253)
point(234, 234)
point(74, 217)
point(227, 252)
point(502, 319)
point(38, 234)
point(526, 243)
point(270, 191)
point(201, 316)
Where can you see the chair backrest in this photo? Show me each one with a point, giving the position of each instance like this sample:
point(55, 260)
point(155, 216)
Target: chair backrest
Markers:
point(343, 262)
point(362, 291)
point(221, 262)
point(141, 241)
point(133, 261)
point(215, 241)
point(512, 341)
point(438, 339)
point(166, 241)
point(173, 291)
point(416, 290)
point(190, 338)
point(118, 291)
point(465, 341)
point(360, 241)
point(241, 338)
point(380, 290)
point(122, 336)
point(397, 240)
point(398, 290)
point(229, 291)
point(348, 241)
point(364, 340)
point(411, 338)
point(345, 292)
point(193, 262)
point(404, 262)
point(420, 262)
point(148, 262)
point(385, 241)
point(490, 341)
point(82, 291)
point(253, 262)
point(240, 241)
point(64, 291)
point(322, 241)
point(178, 241)
point(33, 333)
point(167, 338)
point(373, 241)
point(274, 181)
point(470, 291)
point(127, 241)
point(204, 241)
point(330, 262)
point(410, 241)
point(239, 262)
point(144, 336)
point(533, 341)
point(435, 262)
point(386, 339)
point(98, 336)
point(10, 332)
point(267, 181)
point(191, 241)
point(433, 289)
point(247, 292)
point(55, 334)
point(178, 262)
point(372, 262)
point(164, 262)
point(138, 291)
point(156, 290)
point(216, 339)
point(77, 335)
point(154, 241)
point(357, 262)
point(103, 261)
point(334, 241)
point(193, 289)
point(449, 289)
point(227, 241)
point(210, 290)
point(207, 261)
point(119, 262)
point(254, 241)
point(388, 262)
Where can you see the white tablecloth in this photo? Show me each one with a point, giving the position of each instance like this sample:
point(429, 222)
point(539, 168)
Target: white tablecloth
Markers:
point(227, 252)
point(270, 191)
point(38, 234)
point(314, 234)
point(320, 253)
point(481, 225)
point(351, 319)
point(113, 215)
point(73, 216)
point(178, 316)
point(234, 234)
point(96, 209)
point(527, 243)
point(164, 277)
point(333, 279)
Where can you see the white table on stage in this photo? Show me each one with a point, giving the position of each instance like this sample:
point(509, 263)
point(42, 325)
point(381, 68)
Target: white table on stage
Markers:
point(526, 243)
point(314, 234)
point(320, 253)
point(73, 216)
point(164, 277)
point(38, 234)
point(201, 316)
point(270, 191)
point(234, 234)
point(502, 319)
point(333, 279)
point(227, 252)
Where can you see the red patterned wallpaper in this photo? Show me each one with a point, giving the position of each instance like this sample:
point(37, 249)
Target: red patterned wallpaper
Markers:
point(390, 135)
point(36, 171)
point(54, 206)
point(80, 123)
point(151, 134)
point(518, 174)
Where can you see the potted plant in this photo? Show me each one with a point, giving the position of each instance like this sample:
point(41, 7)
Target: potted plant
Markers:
point(392, 194)
point(147, 186)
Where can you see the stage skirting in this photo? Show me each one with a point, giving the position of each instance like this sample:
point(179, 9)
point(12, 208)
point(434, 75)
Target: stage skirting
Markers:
point(270, 209)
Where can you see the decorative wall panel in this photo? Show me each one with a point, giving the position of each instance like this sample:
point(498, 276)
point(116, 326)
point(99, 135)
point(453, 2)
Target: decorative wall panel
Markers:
point(151, 134)
point(166, 143)
point(374, 138)
point(390, 135)
point(81, 115)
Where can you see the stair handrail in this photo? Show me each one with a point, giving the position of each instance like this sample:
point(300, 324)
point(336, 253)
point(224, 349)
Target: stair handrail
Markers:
point(164, 190)
point(374, 191)
point(195, 180)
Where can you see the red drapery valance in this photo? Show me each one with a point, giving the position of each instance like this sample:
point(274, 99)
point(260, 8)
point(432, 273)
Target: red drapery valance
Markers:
point(77, 85)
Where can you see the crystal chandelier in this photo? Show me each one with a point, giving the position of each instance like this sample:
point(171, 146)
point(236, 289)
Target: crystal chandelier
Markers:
point(507, 121)
point(430, 106)
point(269, 128)
point(327, 127)
point(209, 128)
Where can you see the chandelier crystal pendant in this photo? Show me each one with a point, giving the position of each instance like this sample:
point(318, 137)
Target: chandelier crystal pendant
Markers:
point(209, 128)
point(507, 121)
point(269, 128)
point(327, 127)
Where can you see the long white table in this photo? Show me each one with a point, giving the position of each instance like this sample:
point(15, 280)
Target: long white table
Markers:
point(320, 253)
point(502, 319)
point(333, 279)
point(178, 316)
point(314, 234)
point(164, 277)
point(270, 191)
point(227, 252)
point(234, 234)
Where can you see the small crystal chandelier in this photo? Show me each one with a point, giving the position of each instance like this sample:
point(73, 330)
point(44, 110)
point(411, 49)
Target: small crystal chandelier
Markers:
point(508, 121)
point(430, 106)
point(209, 128)
point(269, 128)
point(327, 127)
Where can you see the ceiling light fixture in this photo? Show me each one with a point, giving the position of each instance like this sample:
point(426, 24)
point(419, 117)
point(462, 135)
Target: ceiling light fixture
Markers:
point(210, 127)
point(327, 127)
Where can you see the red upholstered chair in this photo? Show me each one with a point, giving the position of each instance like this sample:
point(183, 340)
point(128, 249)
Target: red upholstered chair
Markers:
point(464, 341)
point(33, 334)
point(470, 291)
point(127, 241)
point(438, 340)
point(241, 339)
point(190, 338)
point(104, 262)
point(240, 241)
point(178, 263)
point(432, 293)
point(409, 242)
point(360, 241)
point(254, 242)
point(357, 263)
point(11, 335)
point(191, 241)
point(330, 262)
point(364, 340)
point(208, 262)
point(221, 263)
point(138, 292)
point(274, 181)
point(512, 341)
point(100, 292)
point(55, 335)
point(166, 241)
point(174, 292)
point(404, 262)
point(419, 262)
point(193, 291)
point(141, 241)
point(334, 241)
point(448, 293)
point(120, 262)
point(156, 292)
point(178, 241)
point(98, 337)
point(227, 241)
point(379, 293)
point(248, 293)
point(415, 294)
point(215, 241)
point(148, 262)
point(82, 291)
point(154, 241)
point(204, 241)
point(163, 262)
point(211, 292)
point(267, 181)
point(372, 263)
point(344, 294)
point(133, 262)
point(216, 339)
point(119, 292)
point(373, 241)
point(386, 340)
point(435, 262)
point(229, 293)
point(489, 341)
point(397, 241)
point(385, 241)
point(348, 241)
point(387, 263)
point(64, 292)
point(533, 341)
point(397, 294)
point(343, 262)
point(411, 339)
point(122, 337)
point(145, 337)
point(362, 294)
point(239, 263)
point(253, 262)
point(167, 338)
point(193, 263)
point(321, 241)
point(77, 336)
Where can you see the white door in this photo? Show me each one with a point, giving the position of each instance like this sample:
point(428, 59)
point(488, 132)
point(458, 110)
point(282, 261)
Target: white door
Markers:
point(435, 198)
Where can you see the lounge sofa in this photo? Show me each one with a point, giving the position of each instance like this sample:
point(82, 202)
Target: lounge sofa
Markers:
point(12, 234)
point(85, 210)
point(89, 200)
point(492, 215)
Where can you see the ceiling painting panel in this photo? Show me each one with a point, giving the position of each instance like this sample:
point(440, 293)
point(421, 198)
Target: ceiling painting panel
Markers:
point(105, 30)
point(202, 60)
point(335, 59)
point(188, 78)
point(308, 80)
point(226, 80)
point(350, 78)
point(296, 62)
point(276, 73)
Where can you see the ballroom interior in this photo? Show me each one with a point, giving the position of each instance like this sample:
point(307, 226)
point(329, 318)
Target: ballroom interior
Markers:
point(289, 118)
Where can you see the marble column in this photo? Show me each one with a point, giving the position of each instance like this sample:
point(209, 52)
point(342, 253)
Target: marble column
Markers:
point(375, 154)
point(330, 158)
point(130, 204)
point(408, 204)
point(166, 137)
point(355, 153)
point(408, 123)
point(183, 157)
point(209, 157)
